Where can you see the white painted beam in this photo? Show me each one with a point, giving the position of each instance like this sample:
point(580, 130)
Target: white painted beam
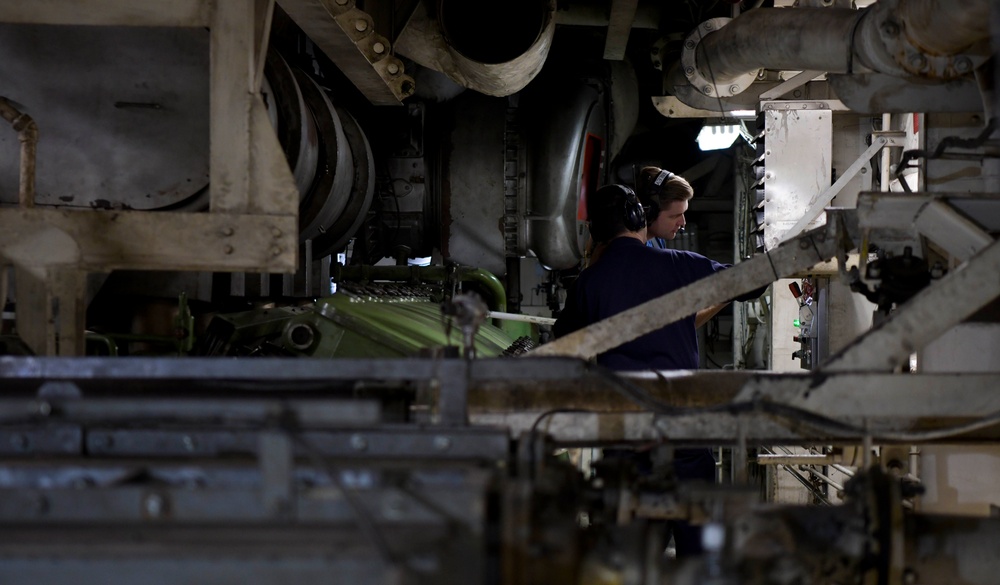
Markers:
point(140, 240)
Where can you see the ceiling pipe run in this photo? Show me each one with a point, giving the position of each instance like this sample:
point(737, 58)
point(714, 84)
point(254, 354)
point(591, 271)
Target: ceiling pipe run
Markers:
point(933, 39)
point(495, 47)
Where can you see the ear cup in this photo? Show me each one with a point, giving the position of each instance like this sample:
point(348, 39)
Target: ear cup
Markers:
point(653, 195)
point(634, 217)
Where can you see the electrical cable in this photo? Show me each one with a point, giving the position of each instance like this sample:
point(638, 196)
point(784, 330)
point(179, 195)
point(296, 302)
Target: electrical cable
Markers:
point(946, 142)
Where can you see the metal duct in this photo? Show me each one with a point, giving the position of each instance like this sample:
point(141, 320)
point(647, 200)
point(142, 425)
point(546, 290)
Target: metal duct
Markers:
point(933, 39)
point(494, 47)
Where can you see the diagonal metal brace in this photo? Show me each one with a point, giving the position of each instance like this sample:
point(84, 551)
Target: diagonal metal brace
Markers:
point(925, 317)
point(794, 256)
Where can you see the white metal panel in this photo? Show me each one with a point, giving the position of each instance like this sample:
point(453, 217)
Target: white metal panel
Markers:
point(797, 163)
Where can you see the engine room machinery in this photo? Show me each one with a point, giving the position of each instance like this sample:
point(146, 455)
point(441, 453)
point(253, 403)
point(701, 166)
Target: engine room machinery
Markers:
point(277, 281)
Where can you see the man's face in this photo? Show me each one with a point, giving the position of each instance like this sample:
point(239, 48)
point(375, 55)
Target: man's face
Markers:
point(669, 221)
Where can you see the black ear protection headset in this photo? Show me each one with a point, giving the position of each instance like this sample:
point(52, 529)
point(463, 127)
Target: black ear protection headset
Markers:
point(654, 191)
point(633, 215)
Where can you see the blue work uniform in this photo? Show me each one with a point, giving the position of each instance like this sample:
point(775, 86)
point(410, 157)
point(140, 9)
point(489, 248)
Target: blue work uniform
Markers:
point(628, 274)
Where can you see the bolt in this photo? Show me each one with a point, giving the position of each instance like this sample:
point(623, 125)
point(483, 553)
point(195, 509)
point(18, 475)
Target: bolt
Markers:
point(378, 48)
point(44, 408)
point(689, 71)
point(690, 44)
point(918, 62)
point(276, 232)
point(276, 251)
point(227, 249)
point(963, 65)
point(228, 231)
point(734, 89)
point(189, 443)
point(709, 26)
point(442, 443)
point(707, 90)
point(803, 244)
point(361, 25)
point(358, 443)
point(154, 505)
point(864, 170)
point(393, 69)
point(655, 51)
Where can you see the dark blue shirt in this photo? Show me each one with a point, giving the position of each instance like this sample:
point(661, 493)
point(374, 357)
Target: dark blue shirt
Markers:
point(628, 274)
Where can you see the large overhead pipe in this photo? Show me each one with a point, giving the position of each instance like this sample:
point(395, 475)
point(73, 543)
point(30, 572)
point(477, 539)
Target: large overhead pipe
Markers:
point(494, 47)
point(934, 39)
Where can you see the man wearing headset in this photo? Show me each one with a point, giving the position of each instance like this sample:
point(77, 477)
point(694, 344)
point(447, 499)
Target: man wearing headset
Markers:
point(664, 197)
point(630, 273)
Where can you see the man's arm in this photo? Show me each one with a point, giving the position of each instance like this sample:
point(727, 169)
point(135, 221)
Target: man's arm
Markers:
point(704, 315)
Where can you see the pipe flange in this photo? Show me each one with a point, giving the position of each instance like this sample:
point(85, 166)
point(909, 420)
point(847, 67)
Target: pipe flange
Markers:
point(914, 61)
point(708, 85)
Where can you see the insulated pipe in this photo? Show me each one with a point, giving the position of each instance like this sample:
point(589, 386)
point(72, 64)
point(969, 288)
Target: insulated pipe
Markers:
point(813, 39)
point(893, 37)
point(495, 47)
point(27, 134)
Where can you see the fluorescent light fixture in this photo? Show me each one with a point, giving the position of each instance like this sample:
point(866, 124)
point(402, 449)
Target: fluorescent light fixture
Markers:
point(748, 114)
point(717, 136)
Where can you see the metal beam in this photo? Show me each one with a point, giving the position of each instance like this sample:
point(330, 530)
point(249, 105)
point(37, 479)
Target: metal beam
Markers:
point(569, 399)
point(186, 13)
point(769, 408)
point(347, 36)
point(619, 27)
point(138, 240)
point(789, 258)
point(788, 85)
point(925, 317)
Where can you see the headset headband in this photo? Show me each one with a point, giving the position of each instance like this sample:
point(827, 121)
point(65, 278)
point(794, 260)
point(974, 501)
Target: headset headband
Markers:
point(660, 178)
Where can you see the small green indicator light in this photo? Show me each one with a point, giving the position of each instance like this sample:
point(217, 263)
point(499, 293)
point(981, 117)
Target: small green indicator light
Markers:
point(796, 323)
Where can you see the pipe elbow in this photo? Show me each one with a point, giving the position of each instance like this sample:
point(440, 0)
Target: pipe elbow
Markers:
point(497, 54)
